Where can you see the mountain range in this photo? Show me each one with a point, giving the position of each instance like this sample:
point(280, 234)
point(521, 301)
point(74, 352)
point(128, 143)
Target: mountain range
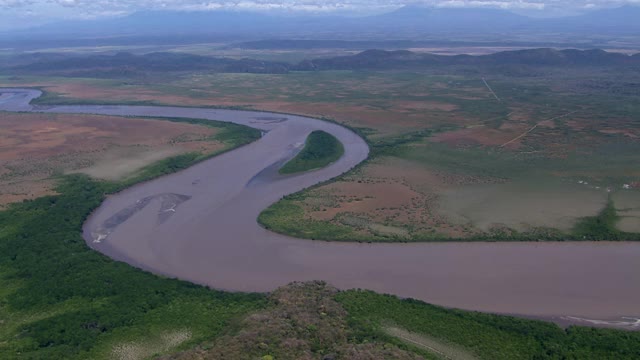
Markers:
point(409, 22)
point(129, 65)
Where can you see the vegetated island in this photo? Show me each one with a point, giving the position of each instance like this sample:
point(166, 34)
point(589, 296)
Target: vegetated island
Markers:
point(320, 150)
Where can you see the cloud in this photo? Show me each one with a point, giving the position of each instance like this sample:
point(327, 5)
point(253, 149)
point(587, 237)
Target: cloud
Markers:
point(84, 8)
point(491, 4)
point(15, 3)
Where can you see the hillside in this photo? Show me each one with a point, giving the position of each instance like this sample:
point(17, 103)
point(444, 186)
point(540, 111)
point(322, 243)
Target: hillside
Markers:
point(126, 64)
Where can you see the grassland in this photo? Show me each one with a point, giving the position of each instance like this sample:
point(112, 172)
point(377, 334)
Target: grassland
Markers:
point(320, 150)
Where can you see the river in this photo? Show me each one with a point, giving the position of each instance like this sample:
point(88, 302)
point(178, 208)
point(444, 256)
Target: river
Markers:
point(200, 225)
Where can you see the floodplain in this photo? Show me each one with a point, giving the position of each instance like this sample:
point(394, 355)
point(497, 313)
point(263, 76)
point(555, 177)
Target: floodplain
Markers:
point(530, 146)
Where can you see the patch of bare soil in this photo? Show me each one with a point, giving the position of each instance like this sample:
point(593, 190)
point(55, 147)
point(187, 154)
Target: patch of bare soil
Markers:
point(398, 198)
point(35, 148)
point(117, 163)
point(303, 322)
point(389, 197)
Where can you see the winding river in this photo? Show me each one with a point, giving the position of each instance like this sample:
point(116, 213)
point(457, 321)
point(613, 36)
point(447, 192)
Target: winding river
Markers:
point(200, 225)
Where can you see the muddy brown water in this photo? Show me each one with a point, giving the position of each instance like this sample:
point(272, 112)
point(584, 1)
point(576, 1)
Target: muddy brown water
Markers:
point(200, 225)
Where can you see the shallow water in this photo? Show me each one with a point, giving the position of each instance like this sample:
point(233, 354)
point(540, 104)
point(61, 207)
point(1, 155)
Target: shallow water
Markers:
point(211, 237)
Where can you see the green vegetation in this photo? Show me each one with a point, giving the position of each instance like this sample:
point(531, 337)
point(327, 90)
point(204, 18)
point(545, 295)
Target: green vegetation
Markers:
point(61, 300)
point(486, 336)
point(320, 150)
point(602, 226)
point(314, 320)
point(286, 217)
point(302, 321)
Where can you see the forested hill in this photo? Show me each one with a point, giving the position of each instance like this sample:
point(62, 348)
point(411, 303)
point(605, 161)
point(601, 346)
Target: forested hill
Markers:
point(126, 64)
point(402, 59)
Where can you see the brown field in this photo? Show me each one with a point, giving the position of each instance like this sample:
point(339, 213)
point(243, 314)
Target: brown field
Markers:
point(406, 199)
point(392, 197)
point(34, 148)
point(372, 102)
point(481, 135)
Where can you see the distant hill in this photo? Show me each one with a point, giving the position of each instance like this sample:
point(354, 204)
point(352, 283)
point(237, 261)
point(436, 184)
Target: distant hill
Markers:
point(126, 64)
point(310, 44)
point(287, 44)
point(380, 59)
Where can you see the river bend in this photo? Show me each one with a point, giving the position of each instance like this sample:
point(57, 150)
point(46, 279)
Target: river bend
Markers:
point(200, 225)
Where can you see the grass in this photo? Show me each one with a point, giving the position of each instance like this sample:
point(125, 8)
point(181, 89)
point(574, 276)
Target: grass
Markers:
point(320, 150)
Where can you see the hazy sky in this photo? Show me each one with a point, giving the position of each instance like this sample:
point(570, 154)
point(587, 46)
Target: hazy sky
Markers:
point(24, 13)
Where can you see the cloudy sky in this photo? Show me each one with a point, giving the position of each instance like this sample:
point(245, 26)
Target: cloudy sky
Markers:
point(25, 13)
